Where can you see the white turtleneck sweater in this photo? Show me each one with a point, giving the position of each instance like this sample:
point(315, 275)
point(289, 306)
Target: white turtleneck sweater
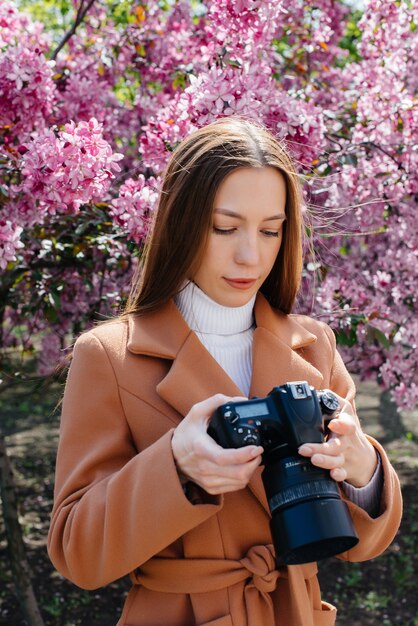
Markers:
point(227, 333)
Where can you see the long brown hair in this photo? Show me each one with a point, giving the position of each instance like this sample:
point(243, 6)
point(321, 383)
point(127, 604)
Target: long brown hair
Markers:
point(183, 221)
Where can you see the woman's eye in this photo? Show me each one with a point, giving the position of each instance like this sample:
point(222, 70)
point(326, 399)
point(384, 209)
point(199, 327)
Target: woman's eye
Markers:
point(223, 231)
point(229, 230)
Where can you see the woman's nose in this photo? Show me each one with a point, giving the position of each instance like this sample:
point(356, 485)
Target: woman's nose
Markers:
point(247, 251)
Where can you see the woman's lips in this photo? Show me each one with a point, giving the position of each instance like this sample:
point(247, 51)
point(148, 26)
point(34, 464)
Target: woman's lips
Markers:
point(241, 283)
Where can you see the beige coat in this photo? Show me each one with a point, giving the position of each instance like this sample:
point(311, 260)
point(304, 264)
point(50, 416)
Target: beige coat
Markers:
point(119, 505)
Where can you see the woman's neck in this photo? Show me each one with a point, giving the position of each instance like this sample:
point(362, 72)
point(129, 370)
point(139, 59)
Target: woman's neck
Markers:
point(204, 315)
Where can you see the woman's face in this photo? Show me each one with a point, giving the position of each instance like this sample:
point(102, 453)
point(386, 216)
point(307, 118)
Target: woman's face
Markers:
point(247, 223)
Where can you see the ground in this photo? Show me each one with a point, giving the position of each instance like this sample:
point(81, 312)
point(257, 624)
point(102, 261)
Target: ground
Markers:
point(381, 592)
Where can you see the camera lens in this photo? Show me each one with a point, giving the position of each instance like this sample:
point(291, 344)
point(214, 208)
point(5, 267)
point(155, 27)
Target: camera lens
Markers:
point(309, 520)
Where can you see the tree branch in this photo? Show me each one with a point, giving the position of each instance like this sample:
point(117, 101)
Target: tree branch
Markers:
point(81, 14)
point(333, 137)
point(375, 145)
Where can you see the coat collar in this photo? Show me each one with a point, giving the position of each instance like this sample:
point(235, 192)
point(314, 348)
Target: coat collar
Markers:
point(163, 333)
point(195, 375)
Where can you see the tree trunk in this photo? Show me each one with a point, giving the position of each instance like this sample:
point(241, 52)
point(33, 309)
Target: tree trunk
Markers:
point(16, 547)
point(390, 418)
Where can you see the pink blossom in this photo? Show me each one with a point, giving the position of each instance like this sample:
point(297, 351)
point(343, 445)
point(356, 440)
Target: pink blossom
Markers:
point(134, 207)
point(27, 89)
point(10, 242)
point(15, 25)
point(50, 354)
point(70, 168)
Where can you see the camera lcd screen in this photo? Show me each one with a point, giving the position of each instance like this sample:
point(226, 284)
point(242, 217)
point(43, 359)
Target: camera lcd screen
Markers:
point(258, 409)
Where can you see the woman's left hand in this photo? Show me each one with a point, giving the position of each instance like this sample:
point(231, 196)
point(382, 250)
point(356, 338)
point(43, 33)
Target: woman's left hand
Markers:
point(347, 453)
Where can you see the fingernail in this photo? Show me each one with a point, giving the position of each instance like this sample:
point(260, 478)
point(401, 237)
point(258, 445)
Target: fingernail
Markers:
point(305, 449)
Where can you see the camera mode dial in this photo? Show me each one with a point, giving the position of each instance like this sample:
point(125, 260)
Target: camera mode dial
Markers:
point(246, 433)
point(329, 402)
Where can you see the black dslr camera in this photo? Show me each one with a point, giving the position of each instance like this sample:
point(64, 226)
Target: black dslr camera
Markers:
point(309, 521)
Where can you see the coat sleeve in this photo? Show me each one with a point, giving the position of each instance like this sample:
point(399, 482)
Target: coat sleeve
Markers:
point(375, 534)
point(114, 508)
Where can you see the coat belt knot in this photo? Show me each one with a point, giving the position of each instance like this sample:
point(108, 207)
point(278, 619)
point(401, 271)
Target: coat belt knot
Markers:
point(258, 603)
point(260, 562)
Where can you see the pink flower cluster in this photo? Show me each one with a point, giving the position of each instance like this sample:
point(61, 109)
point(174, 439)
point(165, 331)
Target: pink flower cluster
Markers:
point(50, 353)
point(163, 50)
point(16, 26)
point(10, 242)
point(249, 90)
point(134, 207)
point(66, 169)
point(28, 93)
point(229, 20)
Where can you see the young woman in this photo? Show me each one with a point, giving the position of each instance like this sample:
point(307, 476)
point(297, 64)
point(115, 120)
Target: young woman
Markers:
point(141, 488)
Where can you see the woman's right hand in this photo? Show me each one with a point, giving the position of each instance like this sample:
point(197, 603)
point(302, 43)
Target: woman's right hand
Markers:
point(200, 459)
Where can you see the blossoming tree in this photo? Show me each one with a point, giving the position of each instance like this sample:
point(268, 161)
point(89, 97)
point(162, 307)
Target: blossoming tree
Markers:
point(93, 102)
point(86, 128)
point(134, 81)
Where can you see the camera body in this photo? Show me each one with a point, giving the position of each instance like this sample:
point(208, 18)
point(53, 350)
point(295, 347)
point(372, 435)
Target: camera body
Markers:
point(289, 416)
point(309, 520)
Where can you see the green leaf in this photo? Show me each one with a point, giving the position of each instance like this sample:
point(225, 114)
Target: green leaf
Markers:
point(346, 338)
point(374, 334)
point(51, 314)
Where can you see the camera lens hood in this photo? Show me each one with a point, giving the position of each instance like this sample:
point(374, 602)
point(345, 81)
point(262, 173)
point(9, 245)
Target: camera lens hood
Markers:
point(311, 531)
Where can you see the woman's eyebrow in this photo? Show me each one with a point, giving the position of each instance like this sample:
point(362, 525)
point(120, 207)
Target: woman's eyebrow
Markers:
point(228, 213)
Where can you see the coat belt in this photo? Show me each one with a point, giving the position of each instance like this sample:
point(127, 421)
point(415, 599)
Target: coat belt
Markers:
point(256, 572)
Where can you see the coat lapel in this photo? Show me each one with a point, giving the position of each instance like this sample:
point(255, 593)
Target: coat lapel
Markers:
point(277, 340)
point(195, 375)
